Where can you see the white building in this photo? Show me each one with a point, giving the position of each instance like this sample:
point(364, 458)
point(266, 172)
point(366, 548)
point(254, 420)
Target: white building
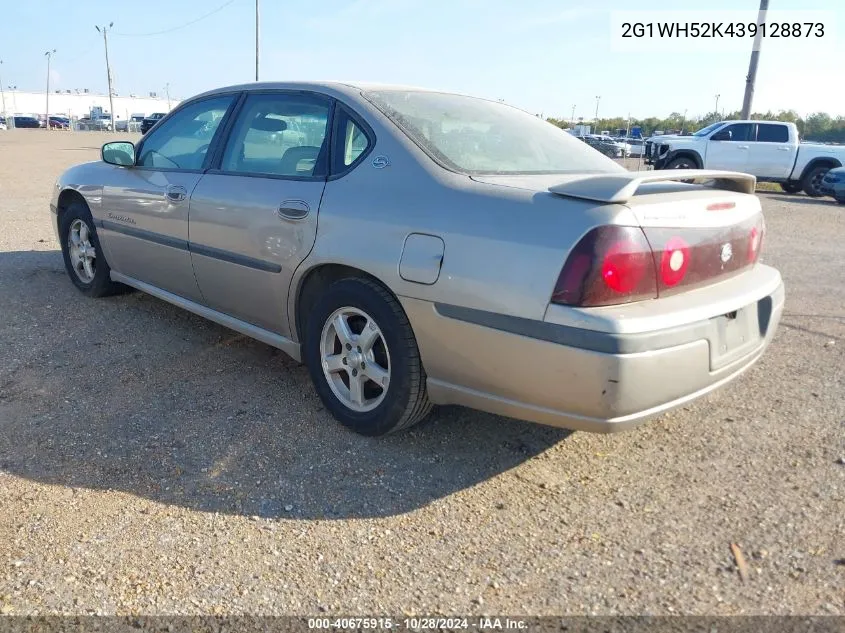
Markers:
point(79, 104)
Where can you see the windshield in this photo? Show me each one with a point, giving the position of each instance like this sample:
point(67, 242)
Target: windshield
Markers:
point(475, 136)
point(710, 128)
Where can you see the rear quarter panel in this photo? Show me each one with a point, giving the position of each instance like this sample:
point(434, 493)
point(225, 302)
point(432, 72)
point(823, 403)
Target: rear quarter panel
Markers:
point(504, 246)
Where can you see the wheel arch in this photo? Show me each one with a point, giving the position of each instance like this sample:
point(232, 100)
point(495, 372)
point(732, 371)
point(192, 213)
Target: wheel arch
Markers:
point(685, 153)
point(822, 161)
point(316, 279)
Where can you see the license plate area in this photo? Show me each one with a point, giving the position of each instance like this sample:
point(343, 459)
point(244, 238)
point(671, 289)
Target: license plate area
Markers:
point(734, 335)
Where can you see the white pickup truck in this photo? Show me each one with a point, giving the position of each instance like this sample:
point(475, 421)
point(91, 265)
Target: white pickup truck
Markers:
point(769, 150)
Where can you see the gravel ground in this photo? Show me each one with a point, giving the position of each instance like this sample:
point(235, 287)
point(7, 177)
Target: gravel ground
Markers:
point(153, 462)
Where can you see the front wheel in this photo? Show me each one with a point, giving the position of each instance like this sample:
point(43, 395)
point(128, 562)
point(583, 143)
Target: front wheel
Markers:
point(363, 358)
point(813, 180)
point(84, 259)
point(681, 162)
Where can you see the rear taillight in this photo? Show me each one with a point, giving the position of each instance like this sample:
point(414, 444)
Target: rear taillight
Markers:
point(621, 264)
point(610, 265)
point(755, 240)
point(674, 261)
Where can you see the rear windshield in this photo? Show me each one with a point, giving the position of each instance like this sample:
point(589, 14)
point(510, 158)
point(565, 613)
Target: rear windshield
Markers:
point(476, 136)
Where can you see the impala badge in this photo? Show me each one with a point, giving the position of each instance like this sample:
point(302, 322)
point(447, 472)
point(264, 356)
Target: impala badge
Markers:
point(727, 253)
point(380, 162)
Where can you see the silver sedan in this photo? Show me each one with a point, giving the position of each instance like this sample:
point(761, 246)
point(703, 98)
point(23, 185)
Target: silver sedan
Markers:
point(414, 247)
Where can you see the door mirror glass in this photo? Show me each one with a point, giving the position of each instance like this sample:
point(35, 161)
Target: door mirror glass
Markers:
point(724, 135)
point(120, 153)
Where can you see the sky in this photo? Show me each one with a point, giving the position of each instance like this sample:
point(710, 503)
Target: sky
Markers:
point(545, 56)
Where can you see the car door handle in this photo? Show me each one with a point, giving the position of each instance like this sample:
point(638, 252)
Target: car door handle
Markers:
point(176, 193)
point(293, 209)
point(784, 149)
point(742, 146)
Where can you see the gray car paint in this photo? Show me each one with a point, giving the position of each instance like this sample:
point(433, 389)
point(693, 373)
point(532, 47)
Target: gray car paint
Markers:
point(492, 245)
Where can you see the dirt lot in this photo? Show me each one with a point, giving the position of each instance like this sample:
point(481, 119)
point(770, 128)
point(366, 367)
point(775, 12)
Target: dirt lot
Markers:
point(153, 462)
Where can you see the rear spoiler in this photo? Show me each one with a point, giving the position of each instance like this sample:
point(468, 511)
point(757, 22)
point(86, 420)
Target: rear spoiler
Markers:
point(620, 188)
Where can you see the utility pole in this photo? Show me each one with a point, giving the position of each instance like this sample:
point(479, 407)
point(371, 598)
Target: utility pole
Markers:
point(572, 118)
point(108, 69)
point(49, 55)
point(717, 105)
point(167, 90)
point(752, 65)
point(257, 30)
point(2, 94)
point(683, 122)
point(598, 98)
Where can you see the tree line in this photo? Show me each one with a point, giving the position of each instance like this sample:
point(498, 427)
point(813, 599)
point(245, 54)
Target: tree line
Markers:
point(818, 126)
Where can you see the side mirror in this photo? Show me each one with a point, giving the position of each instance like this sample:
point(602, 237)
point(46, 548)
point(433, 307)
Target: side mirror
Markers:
point(724, 135)
point(120, 153)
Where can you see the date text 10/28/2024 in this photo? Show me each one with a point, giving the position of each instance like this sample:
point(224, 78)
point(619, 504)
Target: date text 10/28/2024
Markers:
point(419, 624)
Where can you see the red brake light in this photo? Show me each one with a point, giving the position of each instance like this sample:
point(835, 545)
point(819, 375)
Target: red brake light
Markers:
point(610, 265)
point(721, 206)
point(755, 239)
point(624, 266)
point(674, 261)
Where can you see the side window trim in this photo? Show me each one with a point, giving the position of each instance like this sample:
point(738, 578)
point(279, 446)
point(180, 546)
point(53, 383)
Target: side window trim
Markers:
point(337, 138)
point(216, 154)
point(214, 139)
point(215, 165)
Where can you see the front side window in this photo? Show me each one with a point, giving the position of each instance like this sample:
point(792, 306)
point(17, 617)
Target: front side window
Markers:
point(279, 135)
point(476, 136)
point(183, 140)
point(771, 133)
point(736, 132)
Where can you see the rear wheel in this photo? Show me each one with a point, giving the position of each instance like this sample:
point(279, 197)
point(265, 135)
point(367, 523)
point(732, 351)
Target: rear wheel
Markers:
point(363, 358)
point(84, 259)
point(813, 180)
point(791, 186)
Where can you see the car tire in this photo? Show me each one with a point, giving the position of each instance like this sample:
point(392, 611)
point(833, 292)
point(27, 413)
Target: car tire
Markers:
point(791, 186)
point(84, 259)
point(682, 162)
point(840, 199)
point(812, 179)
point(387, 351)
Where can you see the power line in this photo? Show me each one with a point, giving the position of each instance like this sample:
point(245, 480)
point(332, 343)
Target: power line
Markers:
point(181, 26)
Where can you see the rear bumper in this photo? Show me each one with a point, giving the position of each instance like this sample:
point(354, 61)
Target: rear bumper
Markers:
point(585, 379)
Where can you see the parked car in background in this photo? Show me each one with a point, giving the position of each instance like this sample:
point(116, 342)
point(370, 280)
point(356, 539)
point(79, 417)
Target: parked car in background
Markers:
point(833, 184)
point(566, 290)
point(769, 150)
point(59, 123)
point(2, 123)
point(150, 121)
point(634, 146)
point(608, 148)
point(26, 122)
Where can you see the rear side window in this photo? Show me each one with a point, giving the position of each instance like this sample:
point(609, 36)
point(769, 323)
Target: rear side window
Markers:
point(351, 141)
point(279, 135)
point(768, 133)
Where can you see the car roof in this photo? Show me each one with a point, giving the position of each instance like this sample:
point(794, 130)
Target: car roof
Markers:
point(346, 87)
